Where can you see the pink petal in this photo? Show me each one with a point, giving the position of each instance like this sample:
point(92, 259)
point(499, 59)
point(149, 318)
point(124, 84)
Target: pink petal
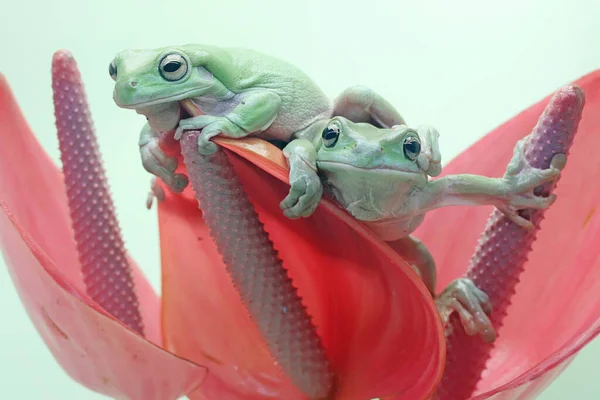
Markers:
point(556, 308)
point(36, 240)
point(375, 317)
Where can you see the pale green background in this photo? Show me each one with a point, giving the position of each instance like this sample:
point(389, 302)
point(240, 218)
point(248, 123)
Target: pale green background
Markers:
point(462, 66)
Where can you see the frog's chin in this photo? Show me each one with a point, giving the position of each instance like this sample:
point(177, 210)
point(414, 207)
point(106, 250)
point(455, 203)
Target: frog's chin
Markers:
point(162, 117)
point(371, 194)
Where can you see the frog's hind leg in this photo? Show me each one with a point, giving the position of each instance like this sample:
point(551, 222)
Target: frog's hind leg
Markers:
point(415, 253)
point(461, 296)
point(362, 104)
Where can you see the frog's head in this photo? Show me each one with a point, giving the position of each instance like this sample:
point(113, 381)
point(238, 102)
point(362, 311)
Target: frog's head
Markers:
point(370, 170)
point(145, 78)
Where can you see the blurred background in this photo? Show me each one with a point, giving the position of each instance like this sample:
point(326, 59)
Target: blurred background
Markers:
point(462, 66)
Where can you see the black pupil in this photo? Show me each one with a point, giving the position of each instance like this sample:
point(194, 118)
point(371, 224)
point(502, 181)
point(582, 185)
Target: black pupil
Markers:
point(330, 134)
point(172, 66)
point(112, 70)
point(412, 146)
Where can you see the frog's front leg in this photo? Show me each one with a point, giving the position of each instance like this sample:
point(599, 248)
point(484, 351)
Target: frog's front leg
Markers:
point(306, 187)
point(362, 104)
point(156, 162)
point(255, 112)
point(513, 192)
point(472, 306)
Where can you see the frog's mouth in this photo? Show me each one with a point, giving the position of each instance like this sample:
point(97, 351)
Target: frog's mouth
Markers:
point(156, 101)
point(392, 170)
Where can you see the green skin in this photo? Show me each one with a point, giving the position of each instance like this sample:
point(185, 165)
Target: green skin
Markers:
point(240, 92)
point(376, 176)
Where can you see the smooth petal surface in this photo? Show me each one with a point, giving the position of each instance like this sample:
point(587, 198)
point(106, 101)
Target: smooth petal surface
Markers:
point(37, 244)
point(378, 324)
point(556, 309)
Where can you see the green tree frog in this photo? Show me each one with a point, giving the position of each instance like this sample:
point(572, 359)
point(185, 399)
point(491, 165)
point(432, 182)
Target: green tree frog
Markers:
point(375, 174)
point(239, 92)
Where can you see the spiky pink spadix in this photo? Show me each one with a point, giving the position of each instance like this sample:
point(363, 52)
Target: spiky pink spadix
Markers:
point(504, 247)
point(257, 271)
point(104, 264)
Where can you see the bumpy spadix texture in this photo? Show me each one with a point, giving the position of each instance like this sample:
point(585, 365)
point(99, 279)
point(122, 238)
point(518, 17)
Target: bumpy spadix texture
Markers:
point(502, 252)
point(257, 271)
point(104, 264)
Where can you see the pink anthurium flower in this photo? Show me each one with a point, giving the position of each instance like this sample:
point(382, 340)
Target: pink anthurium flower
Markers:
point(378, 326)
point(377, 323)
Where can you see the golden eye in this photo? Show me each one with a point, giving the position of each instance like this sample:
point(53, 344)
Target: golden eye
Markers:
point(173, 67)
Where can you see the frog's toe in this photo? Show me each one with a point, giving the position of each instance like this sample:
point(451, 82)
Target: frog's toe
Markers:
point(178, 133)
point(179, 183)
point(156, 191)
point(550, 174)
point(289, 201)
point(307, 205)
point(538, 177)
point(193, 123)
point(513, 215)
point(543, 202)
point(205, 146)
point(197, 122)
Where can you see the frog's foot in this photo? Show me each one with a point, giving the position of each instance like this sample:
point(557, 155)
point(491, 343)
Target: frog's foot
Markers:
point(521, 180)
point(472, 306)
point(156, 162)
point(362, 104)
point(305, 192)
point(430, 157)
point(211, 126)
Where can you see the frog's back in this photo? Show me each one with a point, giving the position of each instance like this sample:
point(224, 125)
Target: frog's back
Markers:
point(242, 70)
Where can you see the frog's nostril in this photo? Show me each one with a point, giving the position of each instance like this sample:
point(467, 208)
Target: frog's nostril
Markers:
point(133, 83)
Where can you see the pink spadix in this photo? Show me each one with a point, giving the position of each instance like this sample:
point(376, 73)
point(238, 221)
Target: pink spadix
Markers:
point(104, 263)
point(502, 252)
point(257, 271)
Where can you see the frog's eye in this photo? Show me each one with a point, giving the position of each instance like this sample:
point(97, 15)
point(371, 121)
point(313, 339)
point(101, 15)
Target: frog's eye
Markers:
point(411, 147)
point(112, 70)
point(173, 67)
point(331, 134)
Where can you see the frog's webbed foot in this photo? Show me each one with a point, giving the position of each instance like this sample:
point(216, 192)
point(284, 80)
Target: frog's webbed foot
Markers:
point(521, 179)
point(472, 306)
point(211, 126)
point(156, 162)
point(306, 187)
point(362, 104)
